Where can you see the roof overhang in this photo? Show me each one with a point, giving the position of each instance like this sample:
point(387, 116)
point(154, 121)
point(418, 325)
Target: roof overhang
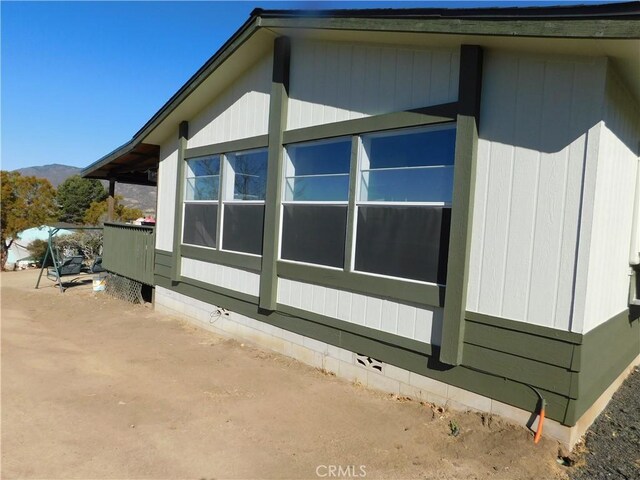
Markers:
point(131, 163)
point(611, 30)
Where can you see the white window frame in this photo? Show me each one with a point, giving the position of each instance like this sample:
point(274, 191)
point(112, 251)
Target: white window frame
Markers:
point(363, 159)
point(226, 194)
point(287, 168)
point(186, 178)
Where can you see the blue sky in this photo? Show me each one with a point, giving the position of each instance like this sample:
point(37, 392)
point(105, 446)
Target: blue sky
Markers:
point(80, 78)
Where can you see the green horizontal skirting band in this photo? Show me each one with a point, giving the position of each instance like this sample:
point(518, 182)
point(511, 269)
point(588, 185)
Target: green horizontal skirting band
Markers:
point(397, 289)
point(542, 375)
point(515, 325)
point(223, 257)
point(388, 338)
point(521, 344)
point(605, 352)
point(261, 141)
point(163, 257)
point(552, 28)
point(413, 356)
point(388, 121)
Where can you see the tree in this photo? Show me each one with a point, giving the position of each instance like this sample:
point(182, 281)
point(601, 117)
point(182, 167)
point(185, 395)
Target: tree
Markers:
point(75, 196)
point(26, 202)
point(97, 212)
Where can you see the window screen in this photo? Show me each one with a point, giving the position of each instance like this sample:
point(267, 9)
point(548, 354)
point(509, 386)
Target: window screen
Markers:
point(403, 241)
point(200, 224)
point(314, 233)
point(243, 227)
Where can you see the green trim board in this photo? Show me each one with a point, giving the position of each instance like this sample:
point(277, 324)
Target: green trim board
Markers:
point(250, 143)
point(464, 180)
point(552, 28)
point(163, 257)
point(278, 106)
point(397, 289)
point(183, 135)
point(515, 325)
point(232, 259)
point(387, 121)
point(378, 345)
point(521, 344)
point(605, 352)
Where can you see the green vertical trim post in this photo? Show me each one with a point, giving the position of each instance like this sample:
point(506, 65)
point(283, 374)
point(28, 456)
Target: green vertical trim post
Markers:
point(183, 135)
point(469, 91)
point(278, 107)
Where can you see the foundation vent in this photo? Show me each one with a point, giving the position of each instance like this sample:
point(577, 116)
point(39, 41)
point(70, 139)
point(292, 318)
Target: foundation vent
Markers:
point(368, 362)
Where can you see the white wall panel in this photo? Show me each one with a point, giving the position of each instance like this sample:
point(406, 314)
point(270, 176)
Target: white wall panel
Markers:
point(165, 215)
point(339, 81)
point(608, 274)
point(241, 111)
point(422, 324)
point(237, 279)
point(536, 112)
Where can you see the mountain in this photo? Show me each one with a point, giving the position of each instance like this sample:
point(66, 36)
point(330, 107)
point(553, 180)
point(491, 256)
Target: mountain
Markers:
point(137, 196)
point(55, 173)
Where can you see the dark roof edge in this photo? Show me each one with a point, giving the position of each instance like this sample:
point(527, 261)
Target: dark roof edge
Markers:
point(121, 150)
point(609, 11)
point(193, 82)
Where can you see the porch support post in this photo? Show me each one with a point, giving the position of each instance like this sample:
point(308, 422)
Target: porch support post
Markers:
point(176, 265)
point(111, 200)
point(277, 124)
point(469, 92)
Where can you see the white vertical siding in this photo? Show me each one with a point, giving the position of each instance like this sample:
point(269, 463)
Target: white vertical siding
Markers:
point(167, 171)
point(536, 112)
point(608, 272)
point(332, 82)
point(422, 324)
point(239, 280)
point(241, 111)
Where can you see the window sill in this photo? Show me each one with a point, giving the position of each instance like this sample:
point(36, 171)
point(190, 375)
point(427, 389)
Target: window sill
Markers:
point(398, 289)
point(223, 257)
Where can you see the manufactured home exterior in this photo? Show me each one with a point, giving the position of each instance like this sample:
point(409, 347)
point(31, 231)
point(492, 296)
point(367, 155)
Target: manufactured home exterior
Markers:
point(443, 204)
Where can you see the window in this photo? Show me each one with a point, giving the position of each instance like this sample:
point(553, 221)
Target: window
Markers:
point(403, 204)
point(314, 209)
point(245, 178)
point(201, 201)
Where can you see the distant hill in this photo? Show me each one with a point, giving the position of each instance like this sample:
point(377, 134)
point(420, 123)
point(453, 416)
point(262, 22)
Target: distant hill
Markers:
point(138, 196)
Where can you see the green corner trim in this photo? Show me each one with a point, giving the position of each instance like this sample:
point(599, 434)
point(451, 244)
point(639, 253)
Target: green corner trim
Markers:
point(387, 121)
point(277, 121)
point(183, 135)
point(250, 143)
point(397, 289)
point(223, 257)
point(605, 352)
point(464, 179)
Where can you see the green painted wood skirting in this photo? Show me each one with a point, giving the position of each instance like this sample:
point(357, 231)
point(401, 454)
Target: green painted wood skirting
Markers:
point(500, 356)
point(129, 251)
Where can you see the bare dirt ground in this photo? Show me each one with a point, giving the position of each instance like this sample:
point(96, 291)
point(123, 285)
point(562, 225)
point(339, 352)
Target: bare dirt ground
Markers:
point(96, 388)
